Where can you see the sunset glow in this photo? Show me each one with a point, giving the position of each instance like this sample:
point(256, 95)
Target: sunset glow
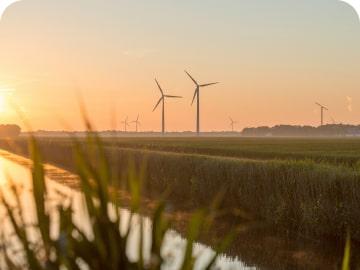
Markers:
point(265, 56)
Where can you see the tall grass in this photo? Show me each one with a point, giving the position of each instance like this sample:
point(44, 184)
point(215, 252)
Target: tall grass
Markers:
point(105, 246)
point(304, 196)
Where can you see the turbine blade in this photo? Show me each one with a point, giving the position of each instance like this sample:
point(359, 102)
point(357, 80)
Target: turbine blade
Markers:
point(162, 93)
point(137, 119)
point(208, 84)
point(169, 96)
point(157, 104)
point(191, 77)
point(195, 93)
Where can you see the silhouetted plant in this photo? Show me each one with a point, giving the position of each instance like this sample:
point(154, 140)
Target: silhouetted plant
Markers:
point(105, 246)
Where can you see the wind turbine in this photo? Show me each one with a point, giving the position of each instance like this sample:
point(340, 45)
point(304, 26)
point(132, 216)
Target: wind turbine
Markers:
point(322, 108)
point(162, 100)
point(232, 123)
point(126, 124)
point(197, 95)
point(333, 120)
point(137, 123)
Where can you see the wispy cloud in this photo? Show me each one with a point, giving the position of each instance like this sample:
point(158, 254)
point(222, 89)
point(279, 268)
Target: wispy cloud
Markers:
point(349, 103)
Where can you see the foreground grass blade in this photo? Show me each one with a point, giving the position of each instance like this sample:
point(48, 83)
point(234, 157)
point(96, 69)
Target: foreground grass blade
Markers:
point(347, 253)
point(104, 247)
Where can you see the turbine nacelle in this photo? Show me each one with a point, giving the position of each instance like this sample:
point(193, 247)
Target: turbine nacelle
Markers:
point(321, 106)
point(232, 121)
point(198, 86)
point(163, 96)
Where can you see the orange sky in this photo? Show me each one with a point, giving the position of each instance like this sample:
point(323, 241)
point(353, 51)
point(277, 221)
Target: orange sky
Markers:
point(273, 59)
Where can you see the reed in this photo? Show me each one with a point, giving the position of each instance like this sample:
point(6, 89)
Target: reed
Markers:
point(105, 246)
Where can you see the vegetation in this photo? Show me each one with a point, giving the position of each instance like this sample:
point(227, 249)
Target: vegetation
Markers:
point(304, 131)
point(303, 195)
point(340, 151)
point(326, 150)
point(105, 246)
point(9, 131)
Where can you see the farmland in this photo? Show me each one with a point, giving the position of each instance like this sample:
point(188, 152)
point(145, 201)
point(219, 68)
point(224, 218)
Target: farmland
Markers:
point(310, 186)
point(334, 151)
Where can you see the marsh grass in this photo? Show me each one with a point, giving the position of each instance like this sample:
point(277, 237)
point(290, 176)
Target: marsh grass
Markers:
point(105, 246)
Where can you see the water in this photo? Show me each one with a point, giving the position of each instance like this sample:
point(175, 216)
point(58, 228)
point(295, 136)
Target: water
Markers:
point(14, 169)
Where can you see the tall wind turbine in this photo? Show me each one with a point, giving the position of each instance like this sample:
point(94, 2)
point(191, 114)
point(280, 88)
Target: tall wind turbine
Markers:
point(162, 100)
point(197, 95)
point(137, 123)
point(126, 123)
point(232, 123)
point(322, 108)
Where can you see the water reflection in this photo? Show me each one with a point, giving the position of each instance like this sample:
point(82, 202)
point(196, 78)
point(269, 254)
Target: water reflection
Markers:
point(16, 169)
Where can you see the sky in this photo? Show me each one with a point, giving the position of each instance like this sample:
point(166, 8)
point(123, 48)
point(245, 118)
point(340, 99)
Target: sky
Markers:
point(273, 58)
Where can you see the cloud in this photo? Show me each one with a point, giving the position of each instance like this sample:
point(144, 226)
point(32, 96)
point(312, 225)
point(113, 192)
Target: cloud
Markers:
point(349, 103)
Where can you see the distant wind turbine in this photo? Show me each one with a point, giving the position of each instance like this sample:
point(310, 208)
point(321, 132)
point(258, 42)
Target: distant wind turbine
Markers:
point(322, 108)
point(197, 95)
point(137, 123)
point(162, 100)
point(126, 123)
point(333, 120)
point(355, 4)
point(232, 123)
point(4, 4)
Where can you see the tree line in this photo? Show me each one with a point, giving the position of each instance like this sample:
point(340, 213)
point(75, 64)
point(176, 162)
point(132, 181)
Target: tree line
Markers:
point(9, 130)
point(301, 131)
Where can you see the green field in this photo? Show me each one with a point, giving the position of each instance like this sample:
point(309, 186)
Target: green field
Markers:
point(339, 151)
point(311, 186)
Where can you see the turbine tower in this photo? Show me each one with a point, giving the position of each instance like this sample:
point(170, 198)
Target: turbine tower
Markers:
point(137, 123)
point(197, 95)
point(126, 124)
point(162, 100)
point(322, 108)
point(232, 123)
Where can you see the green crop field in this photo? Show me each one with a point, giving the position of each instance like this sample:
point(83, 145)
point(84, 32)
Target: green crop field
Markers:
point(308, 185)
point(339, 151)
point(335, 151)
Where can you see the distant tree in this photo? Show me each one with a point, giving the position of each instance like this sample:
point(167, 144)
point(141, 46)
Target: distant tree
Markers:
point(9, 130)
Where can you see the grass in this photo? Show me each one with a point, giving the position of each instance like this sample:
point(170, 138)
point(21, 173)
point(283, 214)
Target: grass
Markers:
point(105, 246)
point(302, 195)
